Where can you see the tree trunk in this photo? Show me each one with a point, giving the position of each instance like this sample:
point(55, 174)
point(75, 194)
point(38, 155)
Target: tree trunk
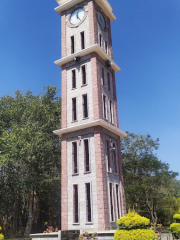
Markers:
point(32, 209)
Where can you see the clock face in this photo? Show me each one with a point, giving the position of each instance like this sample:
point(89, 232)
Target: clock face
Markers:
point(102, 20)
point(77, 16)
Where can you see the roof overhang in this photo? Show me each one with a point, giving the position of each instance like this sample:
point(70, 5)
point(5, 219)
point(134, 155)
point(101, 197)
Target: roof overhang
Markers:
point(95, 48)
point(104, 4)
point(100, 122)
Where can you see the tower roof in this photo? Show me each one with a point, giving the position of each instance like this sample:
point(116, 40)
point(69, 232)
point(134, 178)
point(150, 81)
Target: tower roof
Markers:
point(104, 4)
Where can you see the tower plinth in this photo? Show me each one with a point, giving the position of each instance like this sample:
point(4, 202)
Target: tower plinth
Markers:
point(92, 191)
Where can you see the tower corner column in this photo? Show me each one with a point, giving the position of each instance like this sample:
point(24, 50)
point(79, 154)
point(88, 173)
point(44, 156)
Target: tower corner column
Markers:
point(103, 223)
point(64, 184)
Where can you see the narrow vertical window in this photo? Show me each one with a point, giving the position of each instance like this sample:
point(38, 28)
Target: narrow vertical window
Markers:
point(106, 47)
point(104, 105)
point(103, 81)
point(114, 158)
point(73, 78)
point(75, 204)
point(86, 156)
point(74, 112)
point(83, 69)
point(118, 201)
point(82, 41)
point(100, 40)
point(108, 156)
point(88, 203)
point(111, 202)
point(108, 79)
point(110, 111)
point(74, 158)
point(72, 44)
point(85, 106)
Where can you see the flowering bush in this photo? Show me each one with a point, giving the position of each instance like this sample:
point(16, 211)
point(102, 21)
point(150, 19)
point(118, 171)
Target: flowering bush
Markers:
point(158, 228)
point(86, 235)
point(49, 229)
point(1, 235)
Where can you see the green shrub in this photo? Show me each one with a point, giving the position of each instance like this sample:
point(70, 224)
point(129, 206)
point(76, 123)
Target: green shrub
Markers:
point(175, 229)
point(135, 234)
point(133, 221)
point(1, 236)
point(177, 217)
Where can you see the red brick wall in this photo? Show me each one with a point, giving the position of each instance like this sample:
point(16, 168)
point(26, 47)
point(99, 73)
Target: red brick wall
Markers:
point(64, 97)
point(103, 223)
point(92, 23)
point(63, 34)
point(96, 87)
point(115, 101)
point(64, 193)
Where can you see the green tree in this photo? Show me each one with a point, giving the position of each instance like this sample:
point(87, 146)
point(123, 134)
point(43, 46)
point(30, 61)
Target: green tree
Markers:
point(150, 186)
point(29, 160)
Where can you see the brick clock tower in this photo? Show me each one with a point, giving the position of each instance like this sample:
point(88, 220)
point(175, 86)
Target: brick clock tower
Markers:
point(92, 193)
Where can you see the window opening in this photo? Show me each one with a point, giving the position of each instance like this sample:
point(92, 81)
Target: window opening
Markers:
point(114, 158)
point(85, 107)
point(74, 112)
point(110, 108)
point(117, 200)
point(83, 68)
point(100, 40)
point(111, 202)
point(106, 47)
point(104, 105)
point(88, 203)
point(72, 44)
point(73, 78)
point(108, 156)
point(74, 157)
point(103, 82)
point(109, 84)
point(86, 155)
point(82, 41)
point(75, 204)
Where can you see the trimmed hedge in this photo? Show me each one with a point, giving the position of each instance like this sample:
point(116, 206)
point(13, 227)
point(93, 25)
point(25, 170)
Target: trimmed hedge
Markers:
point(134, 227)
point(133, 221)
point(135, 234)
point(175, 229)
point(176, 217)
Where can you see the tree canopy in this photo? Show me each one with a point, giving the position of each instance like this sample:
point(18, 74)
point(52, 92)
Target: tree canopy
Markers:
point(29, 160)
point(150, 186)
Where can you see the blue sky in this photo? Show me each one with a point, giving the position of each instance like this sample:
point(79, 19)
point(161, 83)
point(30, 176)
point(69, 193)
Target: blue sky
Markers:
point(146, 43)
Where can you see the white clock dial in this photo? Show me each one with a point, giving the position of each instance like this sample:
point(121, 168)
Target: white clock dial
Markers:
point(101, 20)
point(77, 16)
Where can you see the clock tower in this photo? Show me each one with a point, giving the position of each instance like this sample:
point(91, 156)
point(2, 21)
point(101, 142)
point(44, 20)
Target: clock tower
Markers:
point(92, 192)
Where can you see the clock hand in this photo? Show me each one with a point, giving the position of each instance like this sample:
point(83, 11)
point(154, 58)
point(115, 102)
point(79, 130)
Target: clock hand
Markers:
point(78, 17)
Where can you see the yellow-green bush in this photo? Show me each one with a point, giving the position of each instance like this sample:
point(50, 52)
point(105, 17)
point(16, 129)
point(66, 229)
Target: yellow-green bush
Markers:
point(134, 227)
point(1, 235)
point(135, 234)
point(176, 217)
point(133, 220)
point(175, 229)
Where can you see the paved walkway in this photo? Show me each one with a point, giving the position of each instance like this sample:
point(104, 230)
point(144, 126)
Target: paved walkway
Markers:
point(166, 236)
